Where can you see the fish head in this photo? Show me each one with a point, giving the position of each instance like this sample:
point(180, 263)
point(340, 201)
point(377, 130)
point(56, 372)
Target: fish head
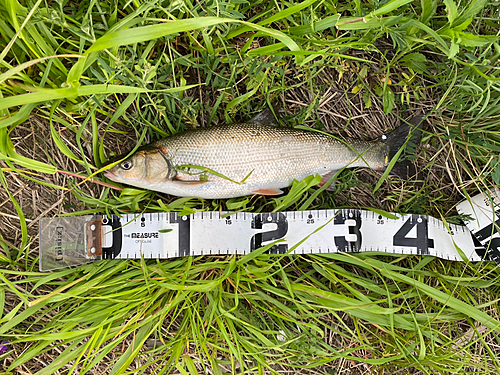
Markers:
point(147, 167)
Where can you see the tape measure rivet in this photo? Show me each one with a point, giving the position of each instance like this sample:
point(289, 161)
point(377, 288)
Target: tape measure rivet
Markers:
point(184, 218)
point(92, 250)
point(419, 220)
point(92, 227)
point(269, 218)
point(104, 220)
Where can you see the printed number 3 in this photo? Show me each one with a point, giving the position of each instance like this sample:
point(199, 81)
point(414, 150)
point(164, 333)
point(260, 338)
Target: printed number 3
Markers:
point(351, 241)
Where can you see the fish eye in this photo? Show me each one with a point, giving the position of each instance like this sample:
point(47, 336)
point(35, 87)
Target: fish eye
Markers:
point(127, 164)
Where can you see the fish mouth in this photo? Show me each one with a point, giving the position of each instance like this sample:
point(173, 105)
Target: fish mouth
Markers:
point(111, 175)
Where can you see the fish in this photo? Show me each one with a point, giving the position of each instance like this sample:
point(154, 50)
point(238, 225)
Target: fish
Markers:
point(256, 157)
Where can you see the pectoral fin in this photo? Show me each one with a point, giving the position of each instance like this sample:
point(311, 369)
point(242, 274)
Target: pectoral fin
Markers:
point(182, 179)
point(190, 183)
point(268, 191)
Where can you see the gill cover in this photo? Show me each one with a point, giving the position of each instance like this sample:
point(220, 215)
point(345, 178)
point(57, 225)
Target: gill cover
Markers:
point(149, 165)
point(157, 164)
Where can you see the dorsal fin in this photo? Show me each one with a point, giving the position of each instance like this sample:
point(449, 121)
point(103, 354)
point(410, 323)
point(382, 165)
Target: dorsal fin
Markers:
point(266, 117)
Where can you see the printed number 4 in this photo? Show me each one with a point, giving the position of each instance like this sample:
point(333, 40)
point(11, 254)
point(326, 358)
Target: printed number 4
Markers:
point(421, 241)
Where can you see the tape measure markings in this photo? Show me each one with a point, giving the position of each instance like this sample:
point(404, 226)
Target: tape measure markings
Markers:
point(195, 235)
point(66, 241)
point(484, 227)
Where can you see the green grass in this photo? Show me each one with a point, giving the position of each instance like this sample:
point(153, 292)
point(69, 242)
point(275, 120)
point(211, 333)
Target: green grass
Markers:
point(83, 81)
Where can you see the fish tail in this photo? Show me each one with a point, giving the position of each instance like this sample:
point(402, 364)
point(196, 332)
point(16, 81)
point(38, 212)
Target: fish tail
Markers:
point(407, 135)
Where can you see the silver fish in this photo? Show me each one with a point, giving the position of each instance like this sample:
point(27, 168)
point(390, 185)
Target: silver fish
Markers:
point(253, 158)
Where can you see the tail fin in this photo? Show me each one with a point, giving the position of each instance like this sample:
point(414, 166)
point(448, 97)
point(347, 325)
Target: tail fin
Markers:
point(404, 168)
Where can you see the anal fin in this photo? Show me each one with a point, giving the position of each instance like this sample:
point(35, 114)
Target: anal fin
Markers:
point(325, 178)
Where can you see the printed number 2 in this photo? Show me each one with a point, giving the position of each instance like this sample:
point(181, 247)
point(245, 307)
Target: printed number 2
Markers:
point(280, 232)
point(421, 242)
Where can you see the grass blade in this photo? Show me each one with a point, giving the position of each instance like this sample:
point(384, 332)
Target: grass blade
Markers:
point(43, 95)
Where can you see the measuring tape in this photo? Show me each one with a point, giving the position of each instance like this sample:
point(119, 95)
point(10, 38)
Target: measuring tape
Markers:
point(485, 224)
point(71, 241)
